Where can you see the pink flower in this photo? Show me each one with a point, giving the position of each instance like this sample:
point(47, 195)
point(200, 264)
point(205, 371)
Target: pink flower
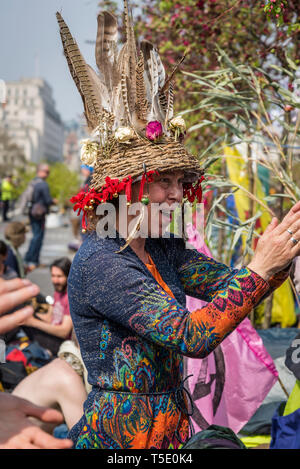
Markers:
point(154, 130)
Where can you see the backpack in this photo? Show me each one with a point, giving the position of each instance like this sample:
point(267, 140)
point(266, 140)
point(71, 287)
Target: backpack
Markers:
point(26, 199)
point(214, 437)
point(27, 207)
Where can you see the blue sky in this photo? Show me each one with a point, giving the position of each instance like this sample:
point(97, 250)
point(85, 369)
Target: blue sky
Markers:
point(30, 44)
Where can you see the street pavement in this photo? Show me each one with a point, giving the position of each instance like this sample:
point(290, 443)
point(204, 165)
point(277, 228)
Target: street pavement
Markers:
point(55, 245)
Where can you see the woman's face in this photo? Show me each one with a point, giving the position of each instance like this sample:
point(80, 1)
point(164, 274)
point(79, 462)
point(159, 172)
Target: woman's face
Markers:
point(165, 193)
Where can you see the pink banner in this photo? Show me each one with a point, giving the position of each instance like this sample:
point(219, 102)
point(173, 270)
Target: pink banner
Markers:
point(229, 385)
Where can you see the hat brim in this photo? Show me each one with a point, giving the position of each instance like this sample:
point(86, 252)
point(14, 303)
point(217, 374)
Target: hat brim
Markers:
point(163, 156)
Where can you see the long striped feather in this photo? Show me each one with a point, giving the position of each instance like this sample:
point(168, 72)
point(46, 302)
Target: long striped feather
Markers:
point(141, 100)
point(106, 41)
point(80, 72)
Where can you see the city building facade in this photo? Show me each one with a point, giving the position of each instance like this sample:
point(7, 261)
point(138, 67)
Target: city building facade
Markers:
point(32, 121)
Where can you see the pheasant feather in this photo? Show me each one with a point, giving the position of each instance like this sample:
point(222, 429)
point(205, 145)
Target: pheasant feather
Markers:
point(107, 35)
point(85, 81)
point(141, 100)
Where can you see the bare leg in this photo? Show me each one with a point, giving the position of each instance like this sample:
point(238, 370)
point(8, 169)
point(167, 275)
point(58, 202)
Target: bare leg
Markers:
point(55, 385)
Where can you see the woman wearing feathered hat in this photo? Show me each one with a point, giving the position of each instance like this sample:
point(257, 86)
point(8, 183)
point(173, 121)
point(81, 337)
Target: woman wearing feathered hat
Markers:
point(127, 291)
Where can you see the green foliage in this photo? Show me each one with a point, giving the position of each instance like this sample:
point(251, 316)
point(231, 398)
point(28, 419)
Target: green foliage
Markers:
point(248, 105)
point(23, 177)
point(63, 183)
point(241, 29)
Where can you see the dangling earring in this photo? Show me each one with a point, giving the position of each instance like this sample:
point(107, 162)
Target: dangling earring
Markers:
point(144, 199)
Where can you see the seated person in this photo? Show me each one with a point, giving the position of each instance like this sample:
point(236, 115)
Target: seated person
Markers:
point(6, 272)
point(17, 428)
point(52, 328)
point(15, 233)
point(61, 384)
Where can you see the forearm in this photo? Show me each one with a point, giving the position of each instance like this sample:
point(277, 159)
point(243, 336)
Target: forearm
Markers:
point(45, 317)
point(198, 333)
point(57, 330)
point(202, 277)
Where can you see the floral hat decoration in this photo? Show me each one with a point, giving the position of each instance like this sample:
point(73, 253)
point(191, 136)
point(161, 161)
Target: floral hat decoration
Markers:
point(128, 106)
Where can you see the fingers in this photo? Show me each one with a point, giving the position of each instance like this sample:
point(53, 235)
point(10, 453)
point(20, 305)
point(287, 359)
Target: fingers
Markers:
point(18, 442)
point(296, 207)
point(15, 292)
point(7, 286)
point(16, 319)
point(272, 225)
point(293, 232)
point(43, 440)
point(292, 217)
point(35, 438)
point(295, 246)
point(44, 414)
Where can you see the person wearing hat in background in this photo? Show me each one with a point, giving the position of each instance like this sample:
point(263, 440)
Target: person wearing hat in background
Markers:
point(15, 235)
point(87, 174)
point(6, 272)
point(7, 195)
point(127, 292)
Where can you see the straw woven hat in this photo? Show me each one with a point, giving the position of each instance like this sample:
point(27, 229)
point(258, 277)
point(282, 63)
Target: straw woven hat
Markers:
point(167, 155)
point(129, 109)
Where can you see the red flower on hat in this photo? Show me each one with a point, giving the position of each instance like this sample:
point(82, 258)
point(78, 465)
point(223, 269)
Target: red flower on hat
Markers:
point(193, 192)
point(87, 198)
point(154, 130)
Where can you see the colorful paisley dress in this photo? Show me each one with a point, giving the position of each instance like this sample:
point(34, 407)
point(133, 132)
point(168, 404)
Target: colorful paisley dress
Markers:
point(133, 330)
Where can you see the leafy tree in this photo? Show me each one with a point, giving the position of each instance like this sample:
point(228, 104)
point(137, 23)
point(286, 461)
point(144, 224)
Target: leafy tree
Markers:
point(244, 29)
point(23, 177)
point(63, 183)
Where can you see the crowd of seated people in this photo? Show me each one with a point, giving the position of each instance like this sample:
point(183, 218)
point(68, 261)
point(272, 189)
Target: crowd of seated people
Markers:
point(42, 367)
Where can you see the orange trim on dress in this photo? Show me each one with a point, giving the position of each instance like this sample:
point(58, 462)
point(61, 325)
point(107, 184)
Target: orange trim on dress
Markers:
point(153, 269)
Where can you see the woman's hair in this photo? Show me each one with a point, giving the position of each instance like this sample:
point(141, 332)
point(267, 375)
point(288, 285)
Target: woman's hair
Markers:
point(3, 248)
point(63, 263)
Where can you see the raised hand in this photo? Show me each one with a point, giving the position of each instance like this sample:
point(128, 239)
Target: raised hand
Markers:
point(278, 246)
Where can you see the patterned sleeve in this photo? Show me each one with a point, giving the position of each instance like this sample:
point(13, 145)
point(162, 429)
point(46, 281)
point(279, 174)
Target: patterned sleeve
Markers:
point(121, 292)
point(204, 278)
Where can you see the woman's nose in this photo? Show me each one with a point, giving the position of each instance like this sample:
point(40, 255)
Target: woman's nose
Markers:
point(176, 193)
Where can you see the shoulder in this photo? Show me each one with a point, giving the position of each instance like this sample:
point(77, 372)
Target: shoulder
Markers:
point(39, 183)
point(93, 246)
point(94, 255)
point(169, 243)
point(173, 247)
point(9, 273)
